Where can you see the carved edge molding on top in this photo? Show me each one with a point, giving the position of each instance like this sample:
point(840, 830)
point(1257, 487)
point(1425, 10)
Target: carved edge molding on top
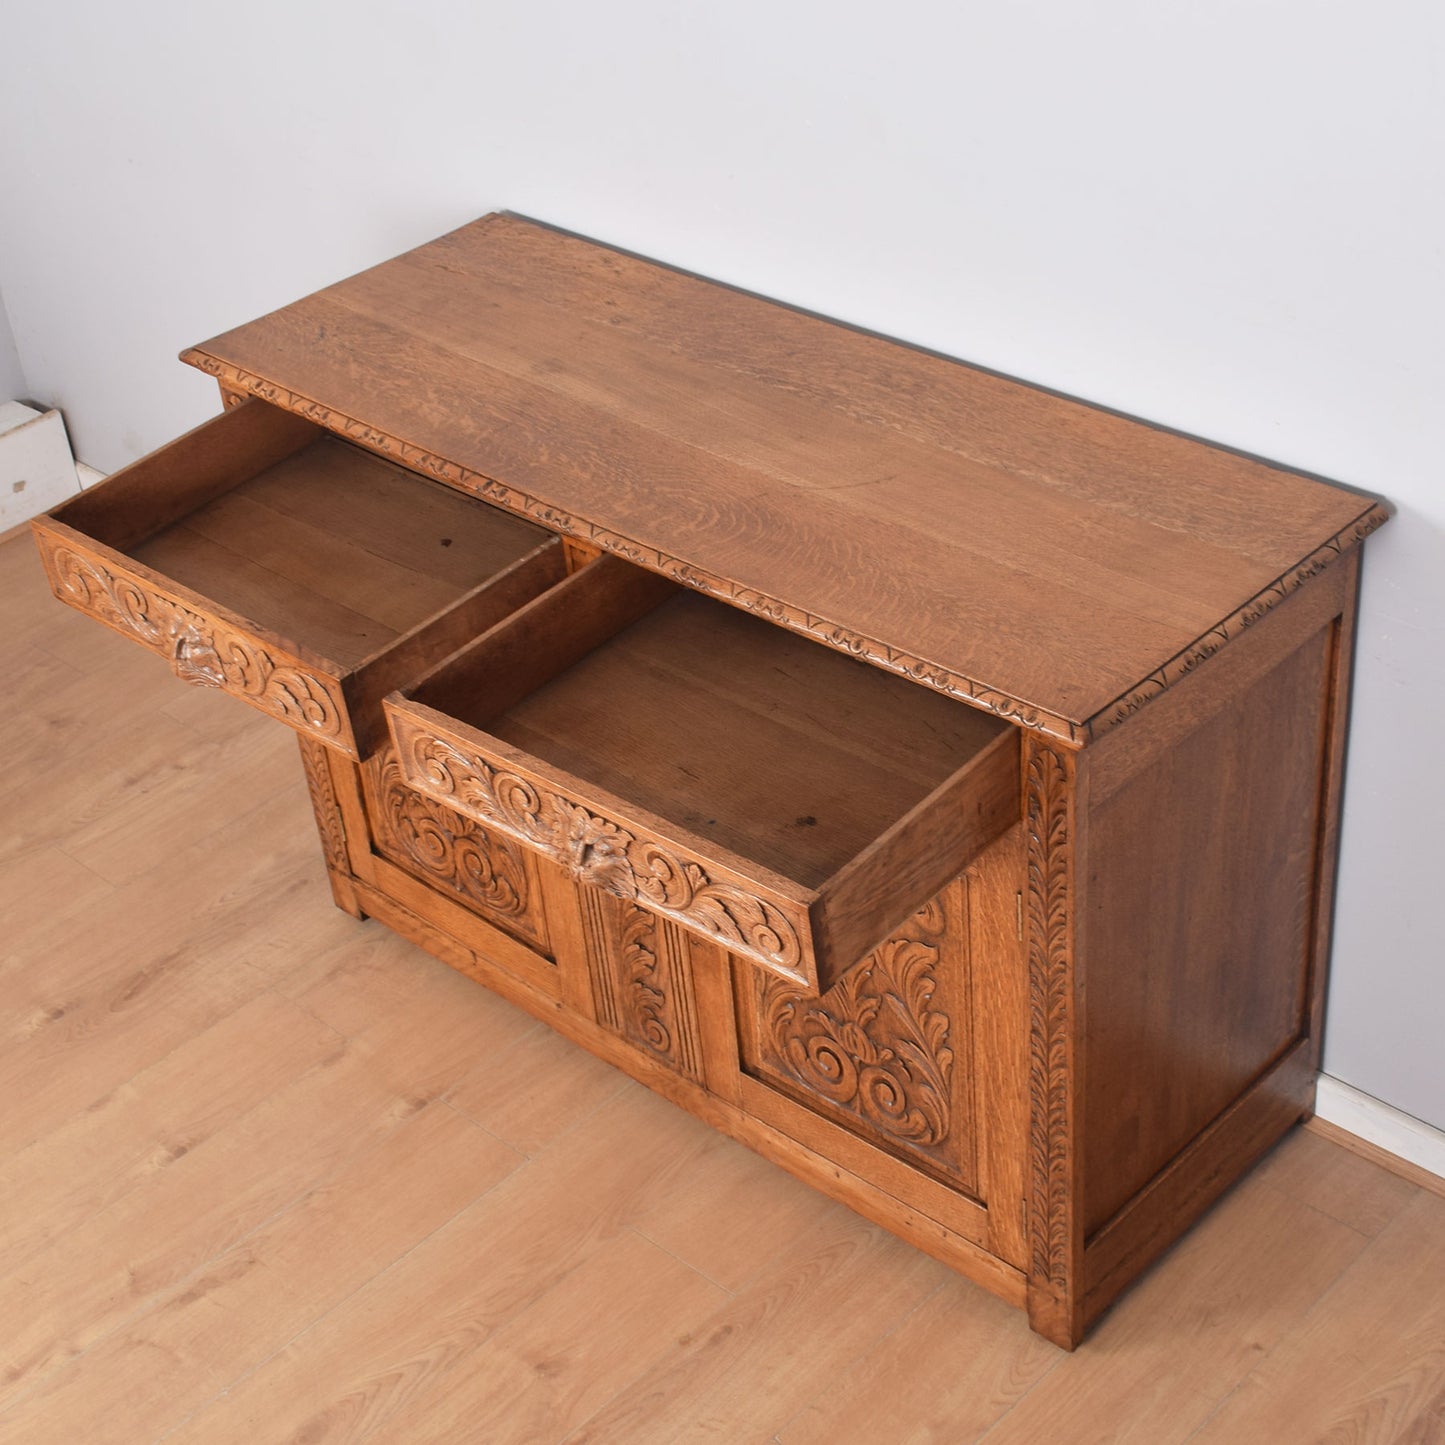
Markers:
point(598, 851)
point(200, 649)
point(1050, 864)
point(796, 619)
point(1183, 663)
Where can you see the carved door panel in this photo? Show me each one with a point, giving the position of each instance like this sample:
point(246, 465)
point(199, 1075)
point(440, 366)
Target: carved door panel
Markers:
point(489, 874)
point(886, 1052)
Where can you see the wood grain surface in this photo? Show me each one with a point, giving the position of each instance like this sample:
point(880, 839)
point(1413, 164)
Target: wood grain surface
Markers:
point(1053, 561)
point(241, 1204)
point(776, 749)
point(780, 774)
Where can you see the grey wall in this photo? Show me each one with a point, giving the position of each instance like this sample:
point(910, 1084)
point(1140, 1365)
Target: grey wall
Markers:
point(1225, 217)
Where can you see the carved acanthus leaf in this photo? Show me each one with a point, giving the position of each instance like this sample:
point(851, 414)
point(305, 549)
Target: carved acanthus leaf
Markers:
point(447, 848)
point(642, 979)
point(877, 1044)
point(645, 1000)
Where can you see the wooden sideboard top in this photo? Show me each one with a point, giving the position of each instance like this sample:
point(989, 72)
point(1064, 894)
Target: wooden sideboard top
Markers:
point(1054, 562)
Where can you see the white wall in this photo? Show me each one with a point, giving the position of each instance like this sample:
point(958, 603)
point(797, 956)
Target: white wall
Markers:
point(1227, 217)
point(12, 374)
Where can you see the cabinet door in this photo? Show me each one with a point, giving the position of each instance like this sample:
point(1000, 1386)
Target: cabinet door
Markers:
point(912, 1072)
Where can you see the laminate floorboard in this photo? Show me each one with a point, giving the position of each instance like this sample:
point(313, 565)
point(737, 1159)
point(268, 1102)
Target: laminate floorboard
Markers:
point(270, 1174)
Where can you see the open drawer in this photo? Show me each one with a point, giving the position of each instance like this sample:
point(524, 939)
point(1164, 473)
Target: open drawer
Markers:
point(788, 801)
point(266, 557)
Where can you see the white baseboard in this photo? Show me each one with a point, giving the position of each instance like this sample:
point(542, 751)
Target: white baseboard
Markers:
point(1377, 1123)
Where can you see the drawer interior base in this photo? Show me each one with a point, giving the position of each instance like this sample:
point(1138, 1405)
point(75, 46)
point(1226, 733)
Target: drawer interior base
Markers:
point(337, 549)
point(752, 738)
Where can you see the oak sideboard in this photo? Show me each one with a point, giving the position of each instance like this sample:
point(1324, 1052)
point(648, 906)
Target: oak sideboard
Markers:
point(929, 780)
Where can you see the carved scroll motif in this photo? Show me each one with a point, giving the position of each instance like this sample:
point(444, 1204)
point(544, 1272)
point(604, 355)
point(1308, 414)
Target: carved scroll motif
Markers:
point(877, 1044)
point(605, 855)
point(200, 649)
point(447, 849)
point(1050, 1003)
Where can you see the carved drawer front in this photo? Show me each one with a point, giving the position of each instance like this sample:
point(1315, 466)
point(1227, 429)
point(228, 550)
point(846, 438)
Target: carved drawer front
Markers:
point(488, 873)
point(266, 557)
point(886, 1051)
point(758, 788)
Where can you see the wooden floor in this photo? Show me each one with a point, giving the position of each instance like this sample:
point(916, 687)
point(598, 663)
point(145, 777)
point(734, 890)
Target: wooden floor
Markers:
point(270, 1174)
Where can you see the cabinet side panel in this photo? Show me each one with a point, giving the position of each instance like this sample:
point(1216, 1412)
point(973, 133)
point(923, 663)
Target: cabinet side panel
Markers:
point(1200, 921)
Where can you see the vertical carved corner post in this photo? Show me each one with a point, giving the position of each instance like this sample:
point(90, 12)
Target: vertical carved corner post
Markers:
point(316, 760)
point(1056, 1244)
